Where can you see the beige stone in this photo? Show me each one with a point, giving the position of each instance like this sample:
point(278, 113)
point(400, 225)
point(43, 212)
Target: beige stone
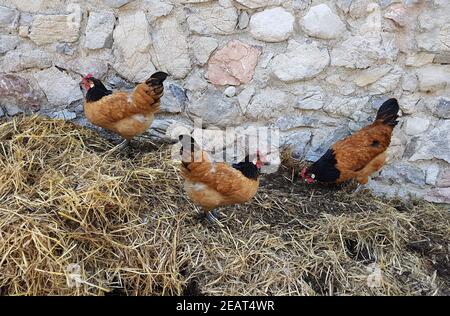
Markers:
point(398, 13)
point(48, 29)
point(419, 60)
point(371, 75)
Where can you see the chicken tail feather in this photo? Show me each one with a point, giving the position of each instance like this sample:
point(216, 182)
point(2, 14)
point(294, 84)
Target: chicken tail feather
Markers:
point(388, 112)
point(148, 94)
point(157, 78)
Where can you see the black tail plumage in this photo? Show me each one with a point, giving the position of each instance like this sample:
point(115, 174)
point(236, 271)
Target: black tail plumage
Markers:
point(388, 112)
point(157, 78)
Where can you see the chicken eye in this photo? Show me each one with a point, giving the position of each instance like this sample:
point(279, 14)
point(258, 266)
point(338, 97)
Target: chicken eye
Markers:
point(313, 176)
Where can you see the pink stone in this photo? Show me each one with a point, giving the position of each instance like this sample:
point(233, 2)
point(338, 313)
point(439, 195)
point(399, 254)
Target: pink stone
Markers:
point(444, 179)
point(399, 14)
point(233, 65)
point(438, 195)
point(18, 91)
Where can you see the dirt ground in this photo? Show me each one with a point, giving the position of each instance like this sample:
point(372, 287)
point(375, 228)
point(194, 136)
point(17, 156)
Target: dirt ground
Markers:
point(77, 221)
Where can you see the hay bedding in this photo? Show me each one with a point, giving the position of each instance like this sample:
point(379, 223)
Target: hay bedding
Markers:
point(76, 222)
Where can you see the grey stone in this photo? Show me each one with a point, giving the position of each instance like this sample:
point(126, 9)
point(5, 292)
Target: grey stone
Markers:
point(411, 103)
point(340, 83)
point(195, 82)
point(433, 145)
point(65, 48)
point(179, 93)
point(292, 122)
point(442, 108)
point(385, 3)
point(359, 8)
point(17, 92)
point(321, 22)
point(174, 99)
point(8, 42)
point(255, 4)
point(378, 101)
point(220, 18)
point(309, 97)
point(360, 52)
point(347, 106)
point(132, 44)
point(91, 64)
point(323, 139)
point(116, 3)
point(158, 8)
point(272, 25)
point(383, 189)
point(416, 125)
point(442, 58)
point(344, 5)
point(26, 19)
point(202, 47)
point(245, 97)
point(410, 82)
point(436, 40)
point(301, 61)
point(13, 109)
point(433, 78)
point(265, 60)
point(19, 60)
point(175, 60)
point(99, 30)
point(215, 109)
point(230, 91)
point(193, 1)
point(432, 174)
point(64, 115)
point(244, 19)
point(59, 88)
point(268, 104)
point(297, 142)
point(301, 4)
point(388, 83)
point(405, 172)
point(163, 129)
point(9, 18)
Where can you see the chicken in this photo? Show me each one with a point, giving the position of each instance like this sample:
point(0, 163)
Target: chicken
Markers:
point(212, 184)
point(127, 114)
point(359, 155)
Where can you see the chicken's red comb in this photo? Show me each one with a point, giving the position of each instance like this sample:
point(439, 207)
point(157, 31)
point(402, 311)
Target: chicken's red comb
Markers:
point(303, 172)
point(89, 75)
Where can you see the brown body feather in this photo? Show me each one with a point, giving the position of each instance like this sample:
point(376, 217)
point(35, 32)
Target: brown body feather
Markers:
point(363, 153)
point(126, 114)
point(359, 155)
point(212, 185)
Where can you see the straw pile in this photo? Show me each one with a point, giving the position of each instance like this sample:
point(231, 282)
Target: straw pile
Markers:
point(74, 221)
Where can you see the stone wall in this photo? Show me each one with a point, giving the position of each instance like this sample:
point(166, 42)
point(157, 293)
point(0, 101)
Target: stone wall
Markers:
point(318, 70)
